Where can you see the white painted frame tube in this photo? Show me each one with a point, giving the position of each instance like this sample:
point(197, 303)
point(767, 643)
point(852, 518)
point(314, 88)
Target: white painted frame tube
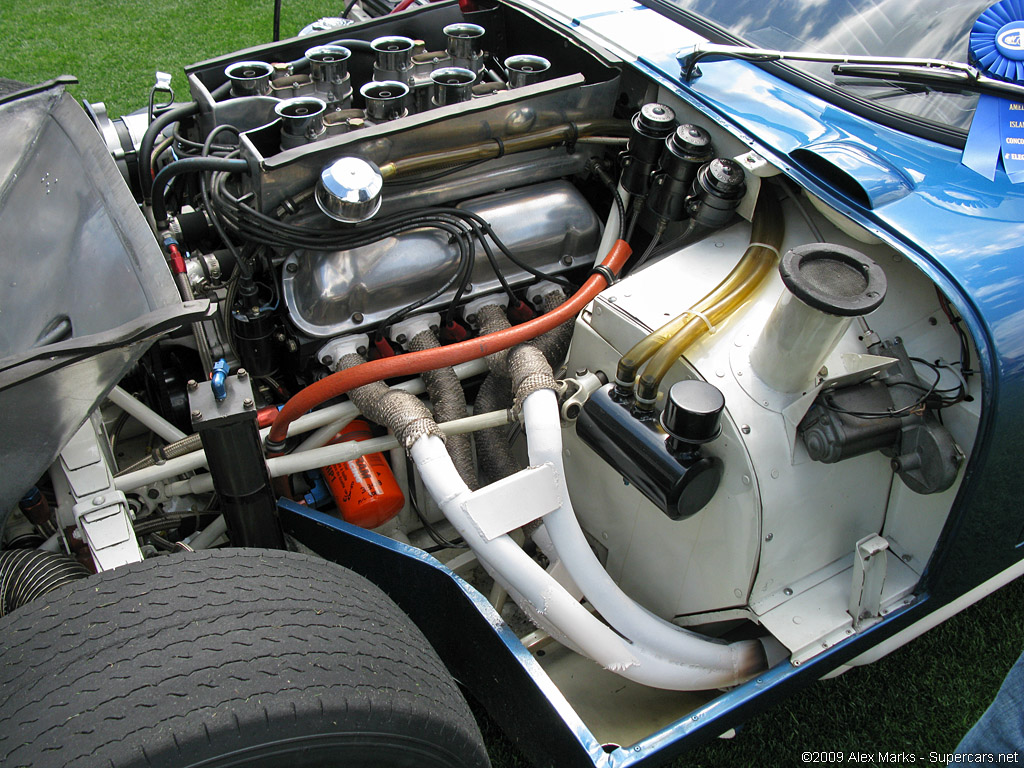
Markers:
point(327, 420)
point(337, 453)
point(145, 415)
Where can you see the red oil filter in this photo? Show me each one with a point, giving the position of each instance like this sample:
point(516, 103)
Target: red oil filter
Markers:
point(364, 489)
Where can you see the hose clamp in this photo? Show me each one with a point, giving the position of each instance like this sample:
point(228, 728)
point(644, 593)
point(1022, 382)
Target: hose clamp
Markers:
point(605, 272)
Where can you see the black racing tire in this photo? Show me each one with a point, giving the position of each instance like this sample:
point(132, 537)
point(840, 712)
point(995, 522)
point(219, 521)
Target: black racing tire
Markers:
point(244, 657)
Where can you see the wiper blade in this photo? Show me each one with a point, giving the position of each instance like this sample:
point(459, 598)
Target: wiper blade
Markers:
point(966, 79)
point(937, 72)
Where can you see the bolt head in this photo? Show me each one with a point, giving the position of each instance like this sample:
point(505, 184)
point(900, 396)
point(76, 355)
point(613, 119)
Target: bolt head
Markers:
point(197, 415)
point(401, 338)
point(242, 373)
point(291, 267)
point(193, 385)
point(327, 359)
point(248, 403)
point(357, 318)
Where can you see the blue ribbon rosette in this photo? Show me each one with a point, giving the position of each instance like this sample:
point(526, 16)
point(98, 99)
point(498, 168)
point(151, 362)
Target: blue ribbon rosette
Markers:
point(997, 128)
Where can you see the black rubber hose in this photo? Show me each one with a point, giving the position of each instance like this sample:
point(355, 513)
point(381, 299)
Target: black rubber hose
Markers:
point(149, 141)
point(26, 574)
point(188, 165)
point(277, 20)
point(221, 91)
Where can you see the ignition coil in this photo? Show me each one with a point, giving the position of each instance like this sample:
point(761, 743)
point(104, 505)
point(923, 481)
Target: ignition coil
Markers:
point(254, 329)
point(686, 150)
point(650, 127)
point(717, 192)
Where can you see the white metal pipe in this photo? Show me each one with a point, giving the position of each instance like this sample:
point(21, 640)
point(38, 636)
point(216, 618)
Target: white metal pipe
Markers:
point(146, 415)
point(343, 413)
point(190, 485)
point(341, 452)
point(158, 472)
point(400, 469)
point(544, 440)
point(323, 418)
point(338, 453)
point(205, 538)
point(324, 435)
point(546, 600)
point(52, 544)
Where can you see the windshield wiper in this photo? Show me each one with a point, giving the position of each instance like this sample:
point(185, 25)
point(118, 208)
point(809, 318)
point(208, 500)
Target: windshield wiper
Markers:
point(937, 72)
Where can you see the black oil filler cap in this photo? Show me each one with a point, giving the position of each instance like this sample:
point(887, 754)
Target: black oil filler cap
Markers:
point(693, 412)
point(833, 279)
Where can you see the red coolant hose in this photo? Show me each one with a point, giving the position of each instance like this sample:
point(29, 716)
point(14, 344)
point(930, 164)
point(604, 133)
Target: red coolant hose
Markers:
point(416, 362)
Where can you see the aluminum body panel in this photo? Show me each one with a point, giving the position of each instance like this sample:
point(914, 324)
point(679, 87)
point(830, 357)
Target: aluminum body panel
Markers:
point(549, 226)
point(80, 261)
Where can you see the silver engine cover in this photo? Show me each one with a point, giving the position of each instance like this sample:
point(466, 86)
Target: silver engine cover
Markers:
point(549, 226)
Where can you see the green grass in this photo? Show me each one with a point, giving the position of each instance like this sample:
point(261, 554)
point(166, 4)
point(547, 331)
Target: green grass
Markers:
point(921, 699)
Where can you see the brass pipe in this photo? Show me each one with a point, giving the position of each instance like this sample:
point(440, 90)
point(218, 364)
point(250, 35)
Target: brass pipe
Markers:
point(486, 150)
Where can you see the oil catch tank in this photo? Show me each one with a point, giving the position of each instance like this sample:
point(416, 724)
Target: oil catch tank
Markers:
point(662, 457)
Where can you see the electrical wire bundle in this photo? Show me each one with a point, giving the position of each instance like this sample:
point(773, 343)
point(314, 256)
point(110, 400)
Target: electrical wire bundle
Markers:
point(932, 397)
point(464, 229)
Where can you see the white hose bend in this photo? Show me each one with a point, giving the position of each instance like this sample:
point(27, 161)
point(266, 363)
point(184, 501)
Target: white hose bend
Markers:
point(544, 438)
point(611, 226)
point(549, 600)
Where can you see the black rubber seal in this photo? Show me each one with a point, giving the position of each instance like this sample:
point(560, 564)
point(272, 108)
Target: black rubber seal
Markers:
point(833, 279)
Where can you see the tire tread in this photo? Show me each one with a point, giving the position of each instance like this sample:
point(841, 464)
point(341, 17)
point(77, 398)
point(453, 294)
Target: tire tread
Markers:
point(283, 642)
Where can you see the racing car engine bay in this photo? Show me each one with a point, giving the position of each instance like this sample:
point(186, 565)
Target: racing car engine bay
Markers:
point(674, 414)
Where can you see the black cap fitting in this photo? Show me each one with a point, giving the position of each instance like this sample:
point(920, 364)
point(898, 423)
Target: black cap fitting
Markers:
point(686, 149)
point(650, 126)
point(833, 279)
point(693, 414)
point(717, 192)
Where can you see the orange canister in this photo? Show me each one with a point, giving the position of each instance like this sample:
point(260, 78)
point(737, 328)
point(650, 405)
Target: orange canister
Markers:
point(364, 489)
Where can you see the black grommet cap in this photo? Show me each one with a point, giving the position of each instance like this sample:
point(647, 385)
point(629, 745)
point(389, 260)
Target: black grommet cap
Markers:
point(691, 143)
point(655, 120)
point(833, 279)
point(693, 411)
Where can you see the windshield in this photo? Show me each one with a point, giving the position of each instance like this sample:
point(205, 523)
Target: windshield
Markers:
point(917, 28)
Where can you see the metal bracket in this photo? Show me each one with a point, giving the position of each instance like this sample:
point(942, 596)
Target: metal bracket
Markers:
point(100, 511)
point(575, 392)
point(868, 579)
point(514, 501)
